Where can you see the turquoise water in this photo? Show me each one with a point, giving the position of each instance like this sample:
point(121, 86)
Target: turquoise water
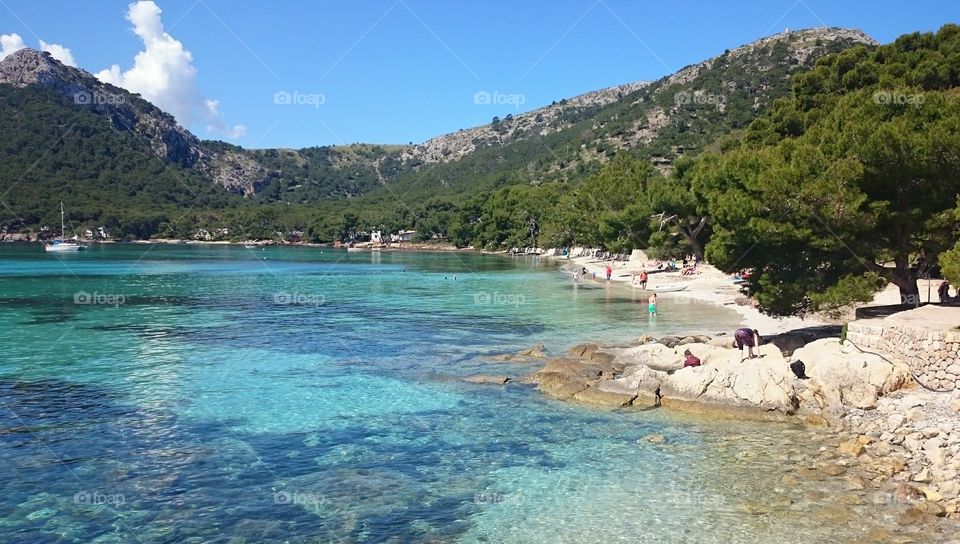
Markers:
point(156, 393)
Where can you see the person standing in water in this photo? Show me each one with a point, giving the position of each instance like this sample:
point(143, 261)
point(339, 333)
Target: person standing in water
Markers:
point(746, 337)
point(609, 272)
point(652, 305)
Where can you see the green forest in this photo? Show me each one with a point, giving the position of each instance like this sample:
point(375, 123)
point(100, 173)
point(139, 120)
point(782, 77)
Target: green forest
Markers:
point(850, 179)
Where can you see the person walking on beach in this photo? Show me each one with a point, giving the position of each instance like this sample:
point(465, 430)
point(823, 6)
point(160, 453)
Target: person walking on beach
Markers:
point(609, 272)
point(652, 305)
point(643, 279)
point(746, 337)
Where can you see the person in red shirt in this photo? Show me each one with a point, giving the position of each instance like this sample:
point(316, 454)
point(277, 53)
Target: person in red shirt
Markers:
point(609, 272)
point(690, 359)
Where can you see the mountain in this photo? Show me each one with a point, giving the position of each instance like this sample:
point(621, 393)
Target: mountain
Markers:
point(658, 121)
point(118, 159)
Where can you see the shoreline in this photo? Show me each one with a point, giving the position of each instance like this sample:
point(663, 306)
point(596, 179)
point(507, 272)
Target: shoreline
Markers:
point(896, 443)
point(709, 286)
point(396, 246)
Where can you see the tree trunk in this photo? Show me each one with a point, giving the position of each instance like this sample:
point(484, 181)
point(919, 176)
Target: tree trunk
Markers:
point(692, 234)
point(695, 246)
point(909, 290)
point(906, 280)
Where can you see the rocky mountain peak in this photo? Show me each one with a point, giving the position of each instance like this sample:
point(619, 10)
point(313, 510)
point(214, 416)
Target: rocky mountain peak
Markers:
point(29, 66)
point(125, 110)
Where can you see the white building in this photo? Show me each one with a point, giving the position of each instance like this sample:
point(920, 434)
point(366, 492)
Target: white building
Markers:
point(403, 236)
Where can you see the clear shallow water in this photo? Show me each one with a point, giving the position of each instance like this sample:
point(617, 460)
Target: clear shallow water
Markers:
point(219, 394)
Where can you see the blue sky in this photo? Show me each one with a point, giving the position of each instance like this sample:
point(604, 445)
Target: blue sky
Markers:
point(396, 71)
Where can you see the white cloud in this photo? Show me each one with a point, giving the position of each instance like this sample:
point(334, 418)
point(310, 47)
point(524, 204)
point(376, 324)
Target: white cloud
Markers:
point(163, 73)
point(58, 52)
point(10, 43)
point(216, 124)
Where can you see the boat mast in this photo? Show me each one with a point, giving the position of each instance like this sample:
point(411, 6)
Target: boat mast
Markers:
point(63, 231)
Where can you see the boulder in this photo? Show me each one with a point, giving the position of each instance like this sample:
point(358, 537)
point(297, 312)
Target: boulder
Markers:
point(565, 377)
point(656, 356)
point(596, 395)
point(640, 378)
point(534, 351)
point(906, 493)
point(583, 350)
point(841, 375)
point(852, 448)
point(764, 384)
point(602, 357)
point(561, 386)
point(929, 507)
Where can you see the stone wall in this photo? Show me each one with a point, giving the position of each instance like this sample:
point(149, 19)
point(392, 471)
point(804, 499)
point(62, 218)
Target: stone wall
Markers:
point(929, 349)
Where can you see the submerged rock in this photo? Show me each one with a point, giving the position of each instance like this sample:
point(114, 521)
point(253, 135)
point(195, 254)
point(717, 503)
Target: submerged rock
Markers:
point(528, 355)
point(488, 379)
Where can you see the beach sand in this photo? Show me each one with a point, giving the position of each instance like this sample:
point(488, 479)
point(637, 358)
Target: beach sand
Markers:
point(714, 287)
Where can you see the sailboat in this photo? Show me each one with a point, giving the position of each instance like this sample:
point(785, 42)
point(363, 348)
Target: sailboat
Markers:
point(61, 244)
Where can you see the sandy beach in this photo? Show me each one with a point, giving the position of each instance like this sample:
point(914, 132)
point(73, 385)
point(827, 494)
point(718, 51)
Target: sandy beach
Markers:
point(712, 286)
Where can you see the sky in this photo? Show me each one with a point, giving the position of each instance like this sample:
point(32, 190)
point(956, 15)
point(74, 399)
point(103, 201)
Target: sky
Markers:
point(298, 74)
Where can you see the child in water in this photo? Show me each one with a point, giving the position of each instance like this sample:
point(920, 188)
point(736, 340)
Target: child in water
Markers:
point(652, 305)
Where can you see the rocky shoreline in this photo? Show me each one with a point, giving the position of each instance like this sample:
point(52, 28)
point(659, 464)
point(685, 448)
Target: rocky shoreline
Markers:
point(885, 438)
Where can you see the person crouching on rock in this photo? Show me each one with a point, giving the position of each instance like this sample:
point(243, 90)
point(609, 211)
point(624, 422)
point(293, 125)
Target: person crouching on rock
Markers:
point(690, 359)
point(746, 337)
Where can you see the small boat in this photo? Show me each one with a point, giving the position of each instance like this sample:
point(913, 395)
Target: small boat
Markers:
point(249, 246)
point(669, 288)
point(61, 245)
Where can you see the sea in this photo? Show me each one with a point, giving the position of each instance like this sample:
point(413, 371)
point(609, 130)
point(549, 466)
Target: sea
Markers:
point(187, 393)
